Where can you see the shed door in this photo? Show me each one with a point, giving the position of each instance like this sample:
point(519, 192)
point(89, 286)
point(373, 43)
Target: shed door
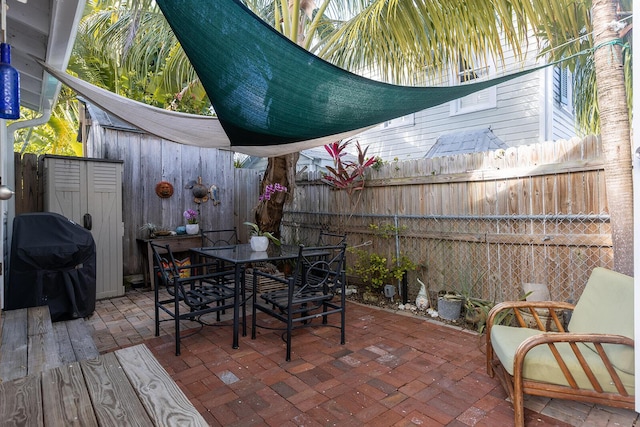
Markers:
point(74, 188)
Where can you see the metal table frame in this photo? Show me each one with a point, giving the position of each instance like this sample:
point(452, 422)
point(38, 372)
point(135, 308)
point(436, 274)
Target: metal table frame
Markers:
point(239, 256)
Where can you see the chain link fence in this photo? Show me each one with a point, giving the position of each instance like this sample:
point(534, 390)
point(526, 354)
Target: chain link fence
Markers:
point(488, 257)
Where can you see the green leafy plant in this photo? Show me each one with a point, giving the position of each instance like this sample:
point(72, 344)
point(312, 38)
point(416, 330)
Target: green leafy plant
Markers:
point(401, 266)
point(477, 311)
point(378, 163)
point(375, 271)
point(386, 230)
point(371, 269)
point(255, 231)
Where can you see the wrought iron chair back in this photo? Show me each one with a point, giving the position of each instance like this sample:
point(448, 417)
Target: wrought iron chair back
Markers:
point(319, 274)
point(222, 237)
point(315, 290)
point(199, 286)
point(329, 238)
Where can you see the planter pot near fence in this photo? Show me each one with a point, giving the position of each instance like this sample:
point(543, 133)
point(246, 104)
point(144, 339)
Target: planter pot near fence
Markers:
point(449, 308)
point(544, 316)
point(193, 228)
point(259, 243)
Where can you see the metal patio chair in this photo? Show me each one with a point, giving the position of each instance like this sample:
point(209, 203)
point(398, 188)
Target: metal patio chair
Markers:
point(315, 290)
point(194, 290)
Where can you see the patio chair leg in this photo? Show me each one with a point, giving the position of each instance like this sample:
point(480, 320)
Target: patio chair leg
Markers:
point(176, 318)
point(157, 331)
point(253, 314)
point(342, 325)
point(518, 399)
point(289, 328)
point(156, 298)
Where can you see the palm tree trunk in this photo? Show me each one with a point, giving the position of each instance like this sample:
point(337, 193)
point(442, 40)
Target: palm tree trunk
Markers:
point(615, 131)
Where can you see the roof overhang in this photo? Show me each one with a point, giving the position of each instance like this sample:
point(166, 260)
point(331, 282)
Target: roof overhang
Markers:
point(42, 30)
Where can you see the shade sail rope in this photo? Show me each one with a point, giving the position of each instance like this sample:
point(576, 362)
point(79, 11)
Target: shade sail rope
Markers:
point(271, 96)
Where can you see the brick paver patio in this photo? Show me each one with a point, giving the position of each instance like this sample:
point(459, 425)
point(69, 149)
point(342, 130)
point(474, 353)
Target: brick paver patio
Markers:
point(394, 370)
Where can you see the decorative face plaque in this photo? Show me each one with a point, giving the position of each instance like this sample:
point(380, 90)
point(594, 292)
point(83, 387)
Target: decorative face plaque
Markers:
point(164, 189)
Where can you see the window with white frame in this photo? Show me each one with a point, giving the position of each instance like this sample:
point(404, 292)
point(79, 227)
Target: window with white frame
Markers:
point(407, 120)
point(563, 87)
point(477, 101)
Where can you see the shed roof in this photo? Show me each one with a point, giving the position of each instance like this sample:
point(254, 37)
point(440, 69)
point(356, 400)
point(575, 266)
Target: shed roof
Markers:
point(467, 141)
point(108, 120)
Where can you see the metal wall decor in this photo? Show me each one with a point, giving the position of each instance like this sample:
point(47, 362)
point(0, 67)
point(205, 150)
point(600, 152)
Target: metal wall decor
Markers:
point(213, 191)
point(202, 193)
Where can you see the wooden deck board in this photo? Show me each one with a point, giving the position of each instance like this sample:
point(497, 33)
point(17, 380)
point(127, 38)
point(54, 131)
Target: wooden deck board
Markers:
point(65, 400)
point(81, 340)
point(53, 374)
point(115, 401)
point(125, 388)
point(65, 348)
point(165, 403)
point(42, 353)
point(13, 359)
point(39, 320)
point(31, 343)
point(21, 402)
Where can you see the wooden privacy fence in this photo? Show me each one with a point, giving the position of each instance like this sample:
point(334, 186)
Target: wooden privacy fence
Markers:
point(28, 197)
point(146, 162)
point(484, 223)
point(487, 222)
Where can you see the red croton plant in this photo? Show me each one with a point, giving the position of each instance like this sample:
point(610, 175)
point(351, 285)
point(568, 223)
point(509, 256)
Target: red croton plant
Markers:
point(347, 175)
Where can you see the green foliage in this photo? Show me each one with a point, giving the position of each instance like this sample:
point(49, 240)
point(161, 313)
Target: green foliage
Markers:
point(57, 136)
point(375, 271)
point(255, 231)
point(477, 311)
point(386, 230)
point(378, 163)
point(401, 265)
point(371, 268)
point(143, 60)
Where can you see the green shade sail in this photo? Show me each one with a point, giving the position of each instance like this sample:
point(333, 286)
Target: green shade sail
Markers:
point(268, 91)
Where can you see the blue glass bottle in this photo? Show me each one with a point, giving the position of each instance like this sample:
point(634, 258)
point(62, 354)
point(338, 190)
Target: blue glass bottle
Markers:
point(9, 85)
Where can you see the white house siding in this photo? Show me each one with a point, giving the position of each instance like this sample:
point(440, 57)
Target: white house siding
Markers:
point(524, 114)
point(515, 120)
point(563, 125)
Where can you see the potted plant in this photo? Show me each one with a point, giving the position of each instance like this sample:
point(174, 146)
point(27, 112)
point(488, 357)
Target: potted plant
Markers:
point(476, 311)
point(192, 221)
point(260, 239)
point(450, 305)
point(451, 302)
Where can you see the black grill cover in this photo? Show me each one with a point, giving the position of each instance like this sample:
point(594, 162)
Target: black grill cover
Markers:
point(53, 262)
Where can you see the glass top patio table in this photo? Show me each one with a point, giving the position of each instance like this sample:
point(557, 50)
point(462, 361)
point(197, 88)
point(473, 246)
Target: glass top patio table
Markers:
point(241, 255)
